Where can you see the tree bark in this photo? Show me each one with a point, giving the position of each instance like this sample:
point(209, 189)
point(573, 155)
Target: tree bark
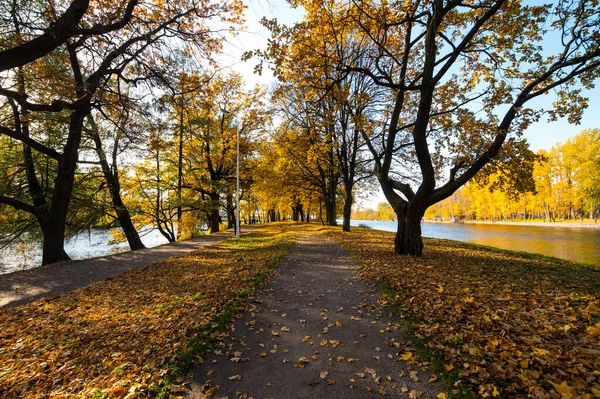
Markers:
point(230, 211)
point(408, 237)
point(347, 208)
point(53, 244)
point(330, 212)
point(215, 219)
point(54, 226)
point(180, 169)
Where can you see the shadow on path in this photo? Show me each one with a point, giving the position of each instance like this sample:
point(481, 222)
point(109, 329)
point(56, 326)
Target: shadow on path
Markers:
point(313, 332)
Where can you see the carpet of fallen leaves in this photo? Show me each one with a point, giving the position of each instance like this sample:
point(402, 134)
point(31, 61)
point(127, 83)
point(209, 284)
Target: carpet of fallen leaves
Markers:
point(117, 338)
point(502, 324)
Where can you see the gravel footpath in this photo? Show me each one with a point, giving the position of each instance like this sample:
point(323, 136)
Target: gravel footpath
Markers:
point(314, 331)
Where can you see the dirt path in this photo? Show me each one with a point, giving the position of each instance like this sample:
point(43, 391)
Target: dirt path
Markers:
point(28, 285)
point(313, 332)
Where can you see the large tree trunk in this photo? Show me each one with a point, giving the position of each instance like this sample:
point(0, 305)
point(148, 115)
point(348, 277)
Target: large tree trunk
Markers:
point(408, 237)
point(133, 238)
point(55, 226)
point(347, 208)
point(53, 244)
point(230, 211)
point(215, 219)
point(180, 170)
point(297, 211)
point(330, 213)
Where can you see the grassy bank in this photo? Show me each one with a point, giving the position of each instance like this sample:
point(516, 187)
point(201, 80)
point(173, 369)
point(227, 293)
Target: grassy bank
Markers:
point(496, 323)
point(131, 335)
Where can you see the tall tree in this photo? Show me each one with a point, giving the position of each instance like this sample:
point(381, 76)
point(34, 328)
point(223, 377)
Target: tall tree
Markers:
point(461, 77)
point(92, 60)
point(220, 114)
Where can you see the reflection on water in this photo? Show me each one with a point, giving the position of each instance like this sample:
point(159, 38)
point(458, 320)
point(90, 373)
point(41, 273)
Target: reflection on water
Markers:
point(87, 245)
point(577, 244)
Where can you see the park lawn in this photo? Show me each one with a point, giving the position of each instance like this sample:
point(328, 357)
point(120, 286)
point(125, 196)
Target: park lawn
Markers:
point(496, 323)
point(130, 335)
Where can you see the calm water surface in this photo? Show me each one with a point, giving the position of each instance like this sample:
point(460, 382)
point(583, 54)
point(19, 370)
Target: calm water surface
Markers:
point(81, 246)
point(577, 244)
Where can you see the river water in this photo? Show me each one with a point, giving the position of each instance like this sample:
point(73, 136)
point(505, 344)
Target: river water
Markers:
point(87, 245)
point(576, 244)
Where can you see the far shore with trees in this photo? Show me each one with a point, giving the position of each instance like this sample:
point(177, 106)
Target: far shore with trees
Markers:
point(563, 189)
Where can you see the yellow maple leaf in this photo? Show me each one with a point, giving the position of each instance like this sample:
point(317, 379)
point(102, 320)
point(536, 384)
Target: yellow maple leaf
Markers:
point(564, 390)
point(540, 352)
point(495, 391)
point(406, 356)
point(493, 343)
point(448, 367)
point(442, 395)
point(594, 330)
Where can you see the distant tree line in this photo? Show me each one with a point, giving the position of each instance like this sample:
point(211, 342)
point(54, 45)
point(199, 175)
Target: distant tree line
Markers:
point(566, 182)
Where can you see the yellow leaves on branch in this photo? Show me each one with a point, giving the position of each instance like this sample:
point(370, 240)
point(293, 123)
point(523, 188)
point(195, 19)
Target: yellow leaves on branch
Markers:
point(494, 315)
point(120, 336)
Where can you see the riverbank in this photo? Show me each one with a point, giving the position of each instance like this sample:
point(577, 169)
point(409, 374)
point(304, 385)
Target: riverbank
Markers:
point(493, 322)
point(24, 286)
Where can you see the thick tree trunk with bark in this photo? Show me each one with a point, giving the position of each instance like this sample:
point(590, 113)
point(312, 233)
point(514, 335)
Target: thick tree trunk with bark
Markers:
point(408, 236)
point(53, 244)
point(215, 219)
point(54, 225)
point(230, 211)
point(347, 208)
point(330, 213)
point(297, 211)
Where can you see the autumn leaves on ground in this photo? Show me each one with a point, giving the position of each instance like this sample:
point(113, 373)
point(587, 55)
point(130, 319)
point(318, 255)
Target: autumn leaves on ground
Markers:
point(492, 323)
point(125, 335)
point(497, 322)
